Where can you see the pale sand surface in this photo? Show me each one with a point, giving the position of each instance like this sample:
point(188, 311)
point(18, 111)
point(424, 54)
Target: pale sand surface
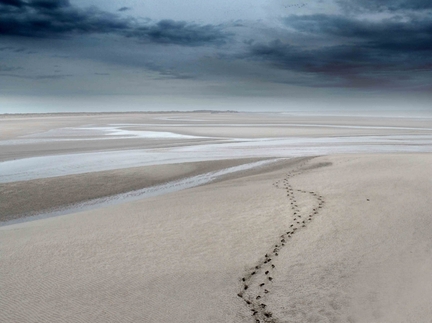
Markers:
point(26, 130)
point(36, 147)
point(180, 257)
point(32, 197)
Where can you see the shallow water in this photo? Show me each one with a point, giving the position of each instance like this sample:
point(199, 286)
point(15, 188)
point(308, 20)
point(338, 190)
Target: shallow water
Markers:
point(156, 190)
point(68, 164)
point(94, 133)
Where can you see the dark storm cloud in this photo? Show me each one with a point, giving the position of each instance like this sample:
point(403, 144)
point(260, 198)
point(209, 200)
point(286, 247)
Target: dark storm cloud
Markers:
point(389, 34)
point(14, 3)
point(178, 32)
point(332, 60)
point(54, 18)
point(385, 5)
point(328, 66)
point(48, 4)
point(359, 52)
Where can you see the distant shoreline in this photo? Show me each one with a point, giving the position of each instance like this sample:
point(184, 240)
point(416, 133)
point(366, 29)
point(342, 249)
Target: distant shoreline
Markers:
point(278, 112)
point(113, 113)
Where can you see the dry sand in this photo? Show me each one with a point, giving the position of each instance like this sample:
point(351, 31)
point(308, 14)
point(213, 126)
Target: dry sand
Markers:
point(365, 256)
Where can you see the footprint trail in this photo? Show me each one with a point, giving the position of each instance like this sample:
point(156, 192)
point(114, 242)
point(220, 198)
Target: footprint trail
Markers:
point(256, 283)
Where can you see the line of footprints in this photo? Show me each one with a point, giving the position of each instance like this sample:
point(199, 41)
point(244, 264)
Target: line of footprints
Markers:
point(256, 284)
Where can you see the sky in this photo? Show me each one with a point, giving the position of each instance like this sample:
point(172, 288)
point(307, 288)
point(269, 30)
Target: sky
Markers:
point(249, 55)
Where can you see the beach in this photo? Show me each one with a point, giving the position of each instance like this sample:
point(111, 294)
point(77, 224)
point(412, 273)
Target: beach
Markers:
point(336, 228)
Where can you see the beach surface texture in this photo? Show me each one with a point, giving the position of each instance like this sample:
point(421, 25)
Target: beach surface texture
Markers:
point(334, 237)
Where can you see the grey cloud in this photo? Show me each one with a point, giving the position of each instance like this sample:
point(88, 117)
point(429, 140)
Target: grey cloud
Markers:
point(313, 50)
point(384, 5)
point(37, 77)
point(166, 72)
point(389, 34)
point(52, 76)
point(40, 19)
point(333, 66)
point(55, 18)
point(124, 9)
point(16, 50)
point(49, 4)
point(361, 54)
point(332, 60)
point(172, 74)
point(14, 3)
point(178, 32)
point(9, 68)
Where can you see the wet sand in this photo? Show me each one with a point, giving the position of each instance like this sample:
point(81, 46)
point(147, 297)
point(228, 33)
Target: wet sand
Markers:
point(362, 255)
point(51, 146)
point(26, 198)
point(210, 128)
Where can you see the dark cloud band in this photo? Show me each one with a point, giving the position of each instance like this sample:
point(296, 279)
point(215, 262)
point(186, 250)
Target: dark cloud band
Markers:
point(48, 18)
point(412, 35)
point(355, 49)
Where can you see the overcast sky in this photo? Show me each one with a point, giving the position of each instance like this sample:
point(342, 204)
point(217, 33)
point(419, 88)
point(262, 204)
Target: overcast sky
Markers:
point(100, 55)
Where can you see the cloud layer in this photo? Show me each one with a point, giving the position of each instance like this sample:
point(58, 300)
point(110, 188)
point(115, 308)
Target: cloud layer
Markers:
point(362, 44)
point(385, 5)
point(55, 18)
point(350, 51)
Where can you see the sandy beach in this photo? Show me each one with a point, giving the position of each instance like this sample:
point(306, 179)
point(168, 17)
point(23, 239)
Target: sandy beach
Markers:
point(339, 237)
point(215, 161)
